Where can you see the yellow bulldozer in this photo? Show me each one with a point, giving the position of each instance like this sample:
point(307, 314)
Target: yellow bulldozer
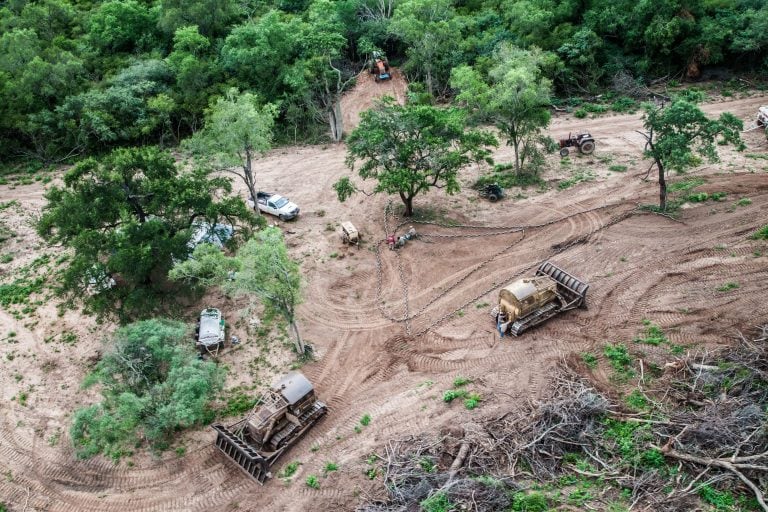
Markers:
point(281, 416)
point(530, 301)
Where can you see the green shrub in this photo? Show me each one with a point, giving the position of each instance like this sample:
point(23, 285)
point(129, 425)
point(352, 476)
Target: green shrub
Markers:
point(365, 420)
point(653, 335)
point(580, 113)
point(452, 394)
point(618, 168)
point(744, 201)
point(313, 482)
point(727, 287)
point(636, 400)
point(589, 359)
point(472, 401)
point(290, 469)
point(760, 234)
point(721, 500)
point(330, 467)
point(438, 502)
point(461, 381)
point(532, 502)
point(624, 104)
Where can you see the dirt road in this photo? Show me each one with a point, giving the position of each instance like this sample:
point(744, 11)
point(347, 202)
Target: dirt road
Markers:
point(639, 266)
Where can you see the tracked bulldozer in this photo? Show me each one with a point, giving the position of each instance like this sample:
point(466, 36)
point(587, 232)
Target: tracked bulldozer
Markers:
point(279, 419)
point(530, 301)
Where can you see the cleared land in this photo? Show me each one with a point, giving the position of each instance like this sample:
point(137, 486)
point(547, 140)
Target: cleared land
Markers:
point(639, 266)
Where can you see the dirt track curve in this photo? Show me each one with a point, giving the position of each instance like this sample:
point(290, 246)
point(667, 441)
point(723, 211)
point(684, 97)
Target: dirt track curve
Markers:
point(638, 265)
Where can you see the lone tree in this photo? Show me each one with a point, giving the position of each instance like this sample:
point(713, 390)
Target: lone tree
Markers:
point(410, 149)
point(515, 96)
point(678, 135)
point(262, 268)
point(152, 385)
point(238, 128)
point(127, 217)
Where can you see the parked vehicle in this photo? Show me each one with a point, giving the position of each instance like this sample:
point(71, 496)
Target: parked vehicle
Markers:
point(279, 419)
point(210, 331)
point(274, 204)
point(349, 234)
point(492, 191)
point(532, 300)
point(583, 141)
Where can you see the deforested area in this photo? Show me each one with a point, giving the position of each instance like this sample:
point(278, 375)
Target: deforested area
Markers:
point(398, 255)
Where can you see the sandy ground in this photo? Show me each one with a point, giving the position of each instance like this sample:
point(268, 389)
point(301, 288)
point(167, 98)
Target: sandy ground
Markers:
point(644, 266)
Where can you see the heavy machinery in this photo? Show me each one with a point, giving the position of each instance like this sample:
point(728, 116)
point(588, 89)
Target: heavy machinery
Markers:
point(279, 419)
point(380, 67)
point(583, 141)
point(349, 234)
point(492, 191)
point(532, 300)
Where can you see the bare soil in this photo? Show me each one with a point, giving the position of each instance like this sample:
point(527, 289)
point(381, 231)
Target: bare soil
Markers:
point(643, 266)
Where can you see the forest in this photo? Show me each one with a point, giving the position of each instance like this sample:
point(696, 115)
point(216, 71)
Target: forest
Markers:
point(83, 77)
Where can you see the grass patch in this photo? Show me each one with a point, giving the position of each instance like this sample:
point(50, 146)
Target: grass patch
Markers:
point(760, 234)
point(289, 469)
point(686, 184)
point(365, 420)
point(589, 359)
point(727, 287)
point(620, 360)
point(531, 502)
point(744, 201)
point(652, 335)
point(313, 482)
point(505, 176)
point(461, 381)
point(438, 502)
point(617, 168)
point(576, 178)
point(330, 467)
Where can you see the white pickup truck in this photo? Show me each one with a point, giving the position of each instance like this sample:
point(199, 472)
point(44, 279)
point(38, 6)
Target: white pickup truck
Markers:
point(274, 204)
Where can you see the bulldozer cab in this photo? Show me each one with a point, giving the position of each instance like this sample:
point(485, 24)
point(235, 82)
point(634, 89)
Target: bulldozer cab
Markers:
point(525, 295)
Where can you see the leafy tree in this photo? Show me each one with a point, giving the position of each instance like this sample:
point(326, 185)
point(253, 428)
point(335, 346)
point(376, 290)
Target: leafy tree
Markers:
point(263, 268)
point(431, 31)
point(238, 128)
point(212, 16)
point(117, 26)
point(515, 96)
point(410, 149)
point(127, 217)
point(678, 135)
point(152, 384)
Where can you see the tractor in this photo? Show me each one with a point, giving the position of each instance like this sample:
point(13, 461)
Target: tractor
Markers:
point(583, 141)
point(380, 67)
point(492, 191)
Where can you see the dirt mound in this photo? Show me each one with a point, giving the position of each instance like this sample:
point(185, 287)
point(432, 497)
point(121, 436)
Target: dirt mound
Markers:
point(365, 93)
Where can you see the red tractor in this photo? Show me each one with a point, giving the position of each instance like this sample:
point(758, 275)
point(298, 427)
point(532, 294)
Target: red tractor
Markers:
point(584, 141)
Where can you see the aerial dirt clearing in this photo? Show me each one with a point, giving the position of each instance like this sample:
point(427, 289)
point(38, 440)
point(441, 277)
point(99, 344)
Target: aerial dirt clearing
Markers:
point(392, 329)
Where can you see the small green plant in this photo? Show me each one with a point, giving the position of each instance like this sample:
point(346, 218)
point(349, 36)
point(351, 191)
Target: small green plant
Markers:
point(727, 287)
point(744, 201)
point(452, 394)
point(437, 502)
point(6, 258)
point(320, 213)
point(624, 104)
point(315, 447)
point(427, 464)
point(481, 305)
point(653, 335)
point(532, 502)
point(618, 168)
point(760, 234)
point(54, 439)
point(330, 467)
point(461, 381)
point(620, 360)
point(576, 178)
point(589, 359)
point(180, 451)
point(365, 420)
point(636, 400)
point(579, 497)
point(333, 255)
point(372, 473)
point(721, 500)
point(358, 429)
point(290, 469)
point(472, 400)
point(313, 482)
point(23, 396)
point(580, 113)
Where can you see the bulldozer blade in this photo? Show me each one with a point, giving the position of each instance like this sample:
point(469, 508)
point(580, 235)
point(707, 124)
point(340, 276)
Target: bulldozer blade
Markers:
point(243, 455)
point(572, 289)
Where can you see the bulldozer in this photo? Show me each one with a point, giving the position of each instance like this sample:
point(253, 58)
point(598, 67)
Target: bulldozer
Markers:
point(380, 67)
point(530, 301)
point(277, 421)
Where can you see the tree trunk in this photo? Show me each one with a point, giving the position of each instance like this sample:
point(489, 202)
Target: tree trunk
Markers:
point(249, 182)
point(662, 187)
point(300, 348)
point(336, 121)
point(408, 202)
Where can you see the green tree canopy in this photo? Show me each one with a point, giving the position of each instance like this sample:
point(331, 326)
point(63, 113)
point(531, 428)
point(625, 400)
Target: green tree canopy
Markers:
point(413, 148)
point(679, 135)
point(262, 268)
point(152, 384)
point(515, 96)
point(238, 128)
point(127, 217)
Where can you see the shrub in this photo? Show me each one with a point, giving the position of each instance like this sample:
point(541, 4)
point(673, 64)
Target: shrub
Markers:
point(365, 420)
point(461, 381)
point(313, 482)
point(438, 502)
point(533, 502)
point(760, 234)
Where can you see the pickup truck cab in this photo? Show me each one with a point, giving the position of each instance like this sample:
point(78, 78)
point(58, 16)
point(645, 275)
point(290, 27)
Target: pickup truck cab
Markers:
point(275, 204)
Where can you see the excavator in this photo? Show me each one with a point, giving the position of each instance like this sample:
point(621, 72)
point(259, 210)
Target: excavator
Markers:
point(380, 68)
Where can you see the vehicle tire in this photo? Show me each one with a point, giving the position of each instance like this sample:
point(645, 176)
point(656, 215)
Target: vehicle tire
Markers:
point(282, 218)
point(564, 152)
point(587, 147)
point(493, 197)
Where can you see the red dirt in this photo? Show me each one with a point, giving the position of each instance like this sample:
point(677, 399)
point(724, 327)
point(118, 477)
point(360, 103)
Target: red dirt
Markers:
point(646, 266)
point(365, 93)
